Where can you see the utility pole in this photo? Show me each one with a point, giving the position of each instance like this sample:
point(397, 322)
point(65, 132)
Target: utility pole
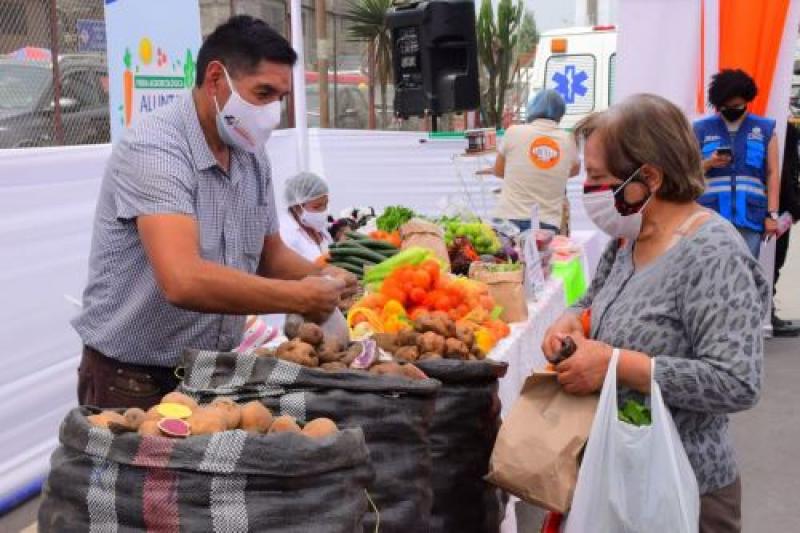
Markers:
point(322, 63)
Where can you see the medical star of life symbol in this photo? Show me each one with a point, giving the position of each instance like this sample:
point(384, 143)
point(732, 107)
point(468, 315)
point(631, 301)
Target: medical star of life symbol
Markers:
point(571, 83)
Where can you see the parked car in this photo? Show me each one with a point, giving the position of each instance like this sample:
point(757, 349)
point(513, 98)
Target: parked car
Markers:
point(27, 107)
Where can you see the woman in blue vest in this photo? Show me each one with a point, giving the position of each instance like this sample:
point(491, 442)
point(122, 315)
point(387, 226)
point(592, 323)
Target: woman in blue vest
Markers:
point(740, 159)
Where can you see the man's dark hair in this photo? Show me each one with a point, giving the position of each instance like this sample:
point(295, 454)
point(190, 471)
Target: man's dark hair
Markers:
point(729, 83)
point(241, 44)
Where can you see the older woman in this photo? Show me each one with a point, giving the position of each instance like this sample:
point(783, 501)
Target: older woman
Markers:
point(678, 285)
point(535, 160)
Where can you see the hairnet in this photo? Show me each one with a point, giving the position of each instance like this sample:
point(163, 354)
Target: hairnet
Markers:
point(546, 104)
point(303, 188)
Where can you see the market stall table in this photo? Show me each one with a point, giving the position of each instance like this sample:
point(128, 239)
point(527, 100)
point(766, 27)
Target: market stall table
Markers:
point(522, 350)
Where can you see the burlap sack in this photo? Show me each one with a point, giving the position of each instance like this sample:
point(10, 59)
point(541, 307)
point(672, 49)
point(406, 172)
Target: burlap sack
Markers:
point(507, 289)
point(424, 234)
point(232, 481)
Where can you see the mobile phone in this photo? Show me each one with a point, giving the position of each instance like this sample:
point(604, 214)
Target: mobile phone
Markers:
point(725, 151)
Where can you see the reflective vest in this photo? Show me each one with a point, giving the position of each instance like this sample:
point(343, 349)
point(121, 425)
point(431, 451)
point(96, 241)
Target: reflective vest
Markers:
point(737, 192)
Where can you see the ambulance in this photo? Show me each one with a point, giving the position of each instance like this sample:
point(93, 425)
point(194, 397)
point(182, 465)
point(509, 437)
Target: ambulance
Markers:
point(579, 63)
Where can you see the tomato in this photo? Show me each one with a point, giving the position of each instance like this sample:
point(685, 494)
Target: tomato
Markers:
point(417, 295)
point(431, 266)
point(487, 303)
point(422, 279)
point(394, 293)
point(442, 303)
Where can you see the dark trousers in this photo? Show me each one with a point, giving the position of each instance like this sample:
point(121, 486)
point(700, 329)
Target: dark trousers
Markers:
point(107, 383)
point(781, 251)
point(721, 510)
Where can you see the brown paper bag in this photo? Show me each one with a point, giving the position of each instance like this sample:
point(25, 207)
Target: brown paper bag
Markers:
point(507, 290)
point(537, 450)
point(418, 232)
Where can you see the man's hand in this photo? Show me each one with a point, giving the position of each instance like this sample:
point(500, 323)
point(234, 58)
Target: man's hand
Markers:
point(567, 325)
point(350, 280)
point(718, 160)
point(584, 372)
point(318, 296)
point(770, 227)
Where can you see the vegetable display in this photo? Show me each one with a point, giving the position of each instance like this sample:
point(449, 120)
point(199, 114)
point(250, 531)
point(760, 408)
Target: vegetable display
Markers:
point(185, 418)
point(481, 235)
point(410, 291)
point(393, 217)
point(359, 252)
point(307, 346)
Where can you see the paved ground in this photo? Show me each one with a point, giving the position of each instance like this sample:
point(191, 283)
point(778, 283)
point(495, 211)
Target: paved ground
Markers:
point(767, 440)
point(788, 299)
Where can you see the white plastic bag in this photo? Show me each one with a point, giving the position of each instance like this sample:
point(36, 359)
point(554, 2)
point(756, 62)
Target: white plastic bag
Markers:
point(634, 479)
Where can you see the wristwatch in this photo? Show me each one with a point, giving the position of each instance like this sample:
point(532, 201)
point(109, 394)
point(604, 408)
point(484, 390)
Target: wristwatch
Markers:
point(773, 215)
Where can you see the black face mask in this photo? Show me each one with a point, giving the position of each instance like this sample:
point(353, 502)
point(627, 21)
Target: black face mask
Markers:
point(732, 114)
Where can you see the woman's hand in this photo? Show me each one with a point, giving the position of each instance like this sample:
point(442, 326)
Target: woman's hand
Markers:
point(569, 324)
point(585, 371)
point(770, 227)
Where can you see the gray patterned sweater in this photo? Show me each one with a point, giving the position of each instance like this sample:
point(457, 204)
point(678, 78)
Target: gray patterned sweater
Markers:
point(698, 309)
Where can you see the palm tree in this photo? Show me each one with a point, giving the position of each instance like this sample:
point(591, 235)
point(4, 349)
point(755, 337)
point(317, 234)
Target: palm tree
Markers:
point(368, 24)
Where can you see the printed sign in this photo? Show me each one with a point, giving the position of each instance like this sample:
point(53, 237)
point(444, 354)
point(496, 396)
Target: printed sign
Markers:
point(91, 35)
point(544, 152)
point(152, 50)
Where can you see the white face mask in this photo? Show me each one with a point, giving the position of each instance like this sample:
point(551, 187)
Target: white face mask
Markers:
point(315, 220)
point(601, 206)
point(245, 125)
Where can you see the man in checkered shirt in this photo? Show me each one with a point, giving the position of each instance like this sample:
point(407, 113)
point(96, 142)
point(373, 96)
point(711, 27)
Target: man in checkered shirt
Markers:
point(185, 240)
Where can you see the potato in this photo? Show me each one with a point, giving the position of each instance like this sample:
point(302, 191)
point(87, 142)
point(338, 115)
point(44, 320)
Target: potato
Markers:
point(298, 352)
point(134, 418)
point(152, 414)
point(431, 342)
point(436, 322)
point(466, 334)
point(407, 337)
point(330, 351)
point(180, 398)
point(428, 356)
point(407, 353)
point(455, 349)
point(291, 328)
point(386, 341)
point(107, 418)
point(284, 424)
point(149, 428)
point(207, 421)
point(334, 366)
point(230, 410)
point(311, 333)
point(412, 372)
point(319, 428)
point(386, 369)
point(353, 351)
point(256, 418)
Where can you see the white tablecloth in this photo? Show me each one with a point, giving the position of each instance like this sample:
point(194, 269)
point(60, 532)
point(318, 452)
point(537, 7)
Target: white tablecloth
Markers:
point(522, 350)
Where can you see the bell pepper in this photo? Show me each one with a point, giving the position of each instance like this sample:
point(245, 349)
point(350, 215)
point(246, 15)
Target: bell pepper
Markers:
point(485, 340)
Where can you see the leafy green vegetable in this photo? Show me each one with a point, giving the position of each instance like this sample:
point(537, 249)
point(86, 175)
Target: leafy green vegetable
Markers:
point(635, 413)
point(504, 267)
point(393, 217)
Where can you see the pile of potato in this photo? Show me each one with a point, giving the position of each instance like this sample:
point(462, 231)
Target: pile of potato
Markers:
point(434, 336)
point(223, 414)
point(307, 346)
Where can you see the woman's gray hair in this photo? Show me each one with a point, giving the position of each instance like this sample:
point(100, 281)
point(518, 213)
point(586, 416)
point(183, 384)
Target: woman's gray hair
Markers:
point(547, 104)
